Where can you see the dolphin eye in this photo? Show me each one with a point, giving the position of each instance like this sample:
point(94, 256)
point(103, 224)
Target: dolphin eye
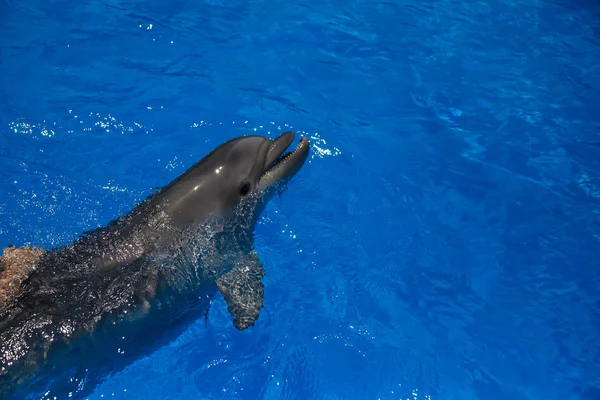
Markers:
point(244, 188)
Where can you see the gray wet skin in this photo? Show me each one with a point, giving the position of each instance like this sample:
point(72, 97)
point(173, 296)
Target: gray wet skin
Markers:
point(194, 232)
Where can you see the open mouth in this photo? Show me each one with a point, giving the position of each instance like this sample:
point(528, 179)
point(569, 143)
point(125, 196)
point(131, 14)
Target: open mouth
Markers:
point(279, 165)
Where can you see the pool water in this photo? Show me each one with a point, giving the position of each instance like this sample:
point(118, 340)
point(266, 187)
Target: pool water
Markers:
point(442, 240)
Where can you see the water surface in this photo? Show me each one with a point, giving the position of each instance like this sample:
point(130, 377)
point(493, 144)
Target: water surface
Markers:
point(442, 240)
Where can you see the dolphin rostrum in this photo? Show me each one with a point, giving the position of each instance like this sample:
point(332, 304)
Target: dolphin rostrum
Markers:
point(148, 270)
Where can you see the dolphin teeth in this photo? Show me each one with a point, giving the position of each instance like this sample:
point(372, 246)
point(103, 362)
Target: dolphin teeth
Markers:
point(282, 158)
point(285, 158)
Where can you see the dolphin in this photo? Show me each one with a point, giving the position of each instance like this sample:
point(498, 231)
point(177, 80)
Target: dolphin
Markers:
point(149, 271)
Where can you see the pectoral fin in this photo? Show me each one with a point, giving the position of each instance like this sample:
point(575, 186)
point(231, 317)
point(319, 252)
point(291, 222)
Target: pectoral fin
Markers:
point(243, 291)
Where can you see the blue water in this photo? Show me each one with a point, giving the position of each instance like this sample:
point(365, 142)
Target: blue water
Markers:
point(441, 242)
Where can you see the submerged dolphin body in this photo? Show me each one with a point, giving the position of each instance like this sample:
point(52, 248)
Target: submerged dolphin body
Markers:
point(150, 271)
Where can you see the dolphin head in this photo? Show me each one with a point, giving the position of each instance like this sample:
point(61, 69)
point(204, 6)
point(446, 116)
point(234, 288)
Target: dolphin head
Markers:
point(241, 171)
